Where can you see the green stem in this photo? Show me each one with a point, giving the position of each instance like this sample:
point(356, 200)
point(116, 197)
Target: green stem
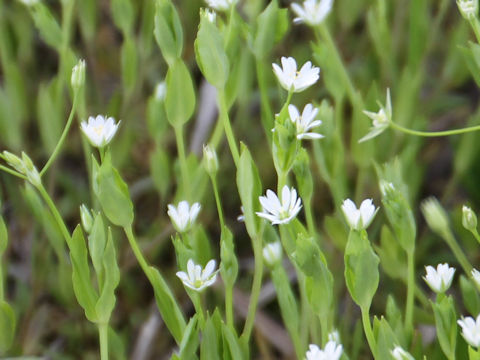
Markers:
point(197, 304)
point(458, 252)
point(434, 133)
point(256, 287)
point(218, 202)
point(229, 305)
point(474, 23)
point(63, 137)
point(309, 217)
point(367, 327)
point(282, 181)
point(222, 105)
point(183, 160)
point(410, 292)
point(103, 335)
point(136, 250)
point(476, 235)
point(67, 15)
point(56, 214)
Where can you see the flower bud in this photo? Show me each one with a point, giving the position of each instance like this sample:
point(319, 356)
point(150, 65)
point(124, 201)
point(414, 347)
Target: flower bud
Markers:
point(209, 14)
point(86, 217)
point(468, 8)
point(476, 277)
point(469, 219)
point(435, 216)
point(210, 160)
point(161, 91)
point(78, 75)
point(272, 253)
point(31, 171)
point(14, 161)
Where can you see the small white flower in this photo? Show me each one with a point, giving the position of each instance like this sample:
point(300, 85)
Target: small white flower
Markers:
point(280, 212)
point(312, 12)
point(183, 216)
point(468, 8)
point(332, 351)
point(197, 279)
point(161, 91)
point(440, 279)
point(99, 130)
point(221, 5)
point(272, 253)
point(293, 80)
point(361, 218)
point(471, 330)
point(476, 276)
point(381, 119)
point(399, 354)
point(305, 122)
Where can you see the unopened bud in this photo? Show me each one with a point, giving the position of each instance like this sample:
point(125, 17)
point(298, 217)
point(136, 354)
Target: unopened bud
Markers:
point(468, 8)
point(210, 160)
point(272, 253)
point(78, 75)
point(86, 217)
point(435, 216)
point(469, 219)
point(209, 14)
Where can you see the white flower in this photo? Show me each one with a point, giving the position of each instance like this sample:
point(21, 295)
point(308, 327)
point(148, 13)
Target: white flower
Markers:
point(272, 253)
point(305, 122)
point(221, 5)
point(293, 80)
point(99, 130)
point(280, 212)
point(471, 330)
point(381, 119)
point(476, 276)
point(399, 354)
point(313, 12)
point(468, 8)
point(332, 351)
point(183, 216)
point(440, 279)
point(361, 218)
point(161, 91)
point(197, 279)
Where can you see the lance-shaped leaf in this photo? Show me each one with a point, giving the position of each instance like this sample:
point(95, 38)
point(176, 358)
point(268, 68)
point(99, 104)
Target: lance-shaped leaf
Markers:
point(96, 246)
point(82, 286)
point(190, 340)
point(7, 326)
point(229, 262)
point(446, 325)
point(180, 97)
point(168, 31)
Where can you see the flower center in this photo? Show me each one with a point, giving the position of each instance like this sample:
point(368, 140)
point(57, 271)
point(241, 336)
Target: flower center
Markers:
point(98, 129)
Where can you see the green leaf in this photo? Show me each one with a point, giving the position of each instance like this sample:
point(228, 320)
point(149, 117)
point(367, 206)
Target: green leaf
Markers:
point(106, 302)
point(361, 269)
point(272, 25)
point(7, 326)
point(470, 296)
point(231, 343)
point(82, 286)
point(47, 25)
point(210, 54)
point(167, 305)
point(50, 119)
point(229, 262)
point(113, 194)
point(3, 236)
point(129, 64)
point(209, 348)
point(160, 171)
point(385, 338)
point(190, 340)
point(446, 325)
point(168, 31)
point(250, 189)
point(123, 15)
point(180, 97)
point(96, 246)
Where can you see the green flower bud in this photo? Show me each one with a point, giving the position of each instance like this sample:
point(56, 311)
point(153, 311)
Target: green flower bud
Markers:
point(468, 8)
point(469, 219)
point(31, 171)
point(78, 75)
point(435, 216)
point(210, 160)
point(86, 217)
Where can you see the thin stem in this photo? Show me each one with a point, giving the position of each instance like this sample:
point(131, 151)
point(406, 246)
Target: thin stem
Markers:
point(434, 133)
point(229, 305)
point(183, 159)
point(309, 217)
point(136, 250)
point(476, 235)
point(103, 335)
point(197, 304)
point(218, 202)
point(282, 181)
point(56, 151)
point(410, 292)
point(228, 127)
point(55, 213)
point(256, 287)
point(367, 327)
point(458, 252)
